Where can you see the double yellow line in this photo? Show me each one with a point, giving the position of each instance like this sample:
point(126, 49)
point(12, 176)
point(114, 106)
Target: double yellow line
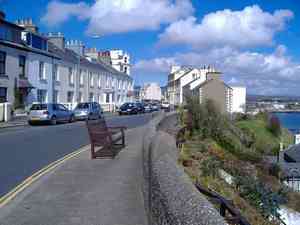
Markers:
point(30, 180)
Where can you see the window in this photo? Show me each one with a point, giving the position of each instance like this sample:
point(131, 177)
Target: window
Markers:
point(62, 107)
point(125, 69)
point(35, 41)
point(70, 96)
point(91, 80)
point(125, 60)
point(82, 106)
point(9, 34)
point(3, 94)
point(81, 78)
point(106, 81)
point(99, 81)
point(22, 63)
point(55, 96)
point(91, 97)
point(42, 96)
point(107, 98)
point(71, 76)
point(80, 97)
point(42, 71)
point(99, 98)
point(55, 73)
point(2, 62)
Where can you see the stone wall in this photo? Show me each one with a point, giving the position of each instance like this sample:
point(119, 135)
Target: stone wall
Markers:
point(170, 196)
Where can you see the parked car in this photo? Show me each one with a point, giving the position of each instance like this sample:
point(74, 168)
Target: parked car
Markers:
point(128, 108)
point(140, 107)
point(88, 111)
point(50, 112)
point(165, 105)
point(147, 108)
point(155, 107)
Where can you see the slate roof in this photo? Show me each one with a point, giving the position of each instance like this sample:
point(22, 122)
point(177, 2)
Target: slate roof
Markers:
point(293, 154)
point(28, 49)
point(72, 57)
point(208, 81)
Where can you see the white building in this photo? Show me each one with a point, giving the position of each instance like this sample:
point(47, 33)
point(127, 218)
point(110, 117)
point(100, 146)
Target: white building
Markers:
point(38, 69)
point(151, 91)
point(183, 80)
point(238, 99)
point(120, 60)
point(182, 76)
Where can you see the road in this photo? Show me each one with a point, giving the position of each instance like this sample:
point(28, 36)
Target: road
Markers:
point(25, 150)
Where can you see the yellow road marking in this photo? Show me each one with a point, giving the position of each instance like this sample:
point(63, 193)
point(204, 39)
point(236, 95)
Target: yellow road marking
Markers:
point(30, 180)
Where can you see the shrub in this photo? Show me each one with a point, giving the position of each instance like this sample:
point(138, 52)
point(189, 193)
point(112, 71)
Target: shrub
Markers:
point(210, 166)
point(261, 197)
point(274, 126)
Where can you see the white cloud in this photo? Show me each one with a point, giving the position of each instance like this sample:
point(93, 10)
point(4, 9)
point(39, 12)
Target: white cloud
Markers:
point(262, 73)
point(117, 16)
point(157, 65)
point(59, 12)
point(247, 28)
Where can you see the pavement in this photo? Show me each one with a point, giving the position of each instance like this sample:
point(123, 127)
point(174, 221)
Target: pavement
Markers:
point(82, 191)
point(16, 122)
point(26, 150)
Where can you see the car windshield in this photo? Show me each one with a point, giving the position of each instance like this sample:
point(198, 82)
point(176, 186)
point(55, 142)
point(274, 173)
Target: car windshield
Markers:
point(82, 106)
point(39, 107)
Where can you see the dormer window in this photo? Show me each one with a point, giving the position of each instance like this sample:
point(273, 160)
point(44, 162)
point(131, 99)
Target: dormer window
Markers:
point(35, 41)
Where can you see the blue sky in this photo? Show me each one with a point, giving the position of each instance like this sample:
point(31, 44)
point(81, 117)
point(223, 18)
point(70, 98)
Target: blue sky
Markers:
point(254, 43)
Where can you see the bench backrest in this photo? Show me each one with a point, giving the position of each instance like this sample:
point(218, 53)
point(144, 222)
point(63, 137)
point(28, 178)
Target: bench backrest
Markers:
point(98, 131)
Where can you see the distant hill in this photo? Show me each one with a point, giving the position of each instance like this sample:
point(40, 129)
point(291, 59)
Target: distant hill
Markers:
point(274, 97)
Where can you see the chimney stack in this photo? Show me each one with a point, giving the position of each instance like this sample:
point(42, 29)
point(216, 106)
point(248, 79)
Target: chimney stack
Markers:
point(28, 25)
point(57, 39)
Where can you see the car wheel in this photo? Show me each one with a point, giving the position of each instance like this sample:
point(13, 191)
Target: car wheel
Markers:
point(30, 123)
point(53, 120)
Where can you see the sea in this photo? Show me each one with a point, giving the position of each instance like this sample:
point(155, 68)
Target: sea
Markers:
point(290, 120)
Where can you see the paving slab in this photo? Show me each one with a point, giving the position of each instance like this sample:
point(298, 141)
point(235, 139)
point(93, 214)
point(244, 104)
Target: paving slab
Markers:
point(86, 192)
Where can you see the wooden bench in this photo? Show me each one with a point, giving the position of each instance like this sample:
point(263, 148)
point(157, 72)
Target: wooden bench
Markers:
point(108, 140)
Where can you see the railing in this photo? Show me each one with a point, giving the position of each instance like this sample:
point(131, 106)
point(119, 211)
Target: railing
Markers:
point(108, 107)
point(293, 179)
point(225, 205)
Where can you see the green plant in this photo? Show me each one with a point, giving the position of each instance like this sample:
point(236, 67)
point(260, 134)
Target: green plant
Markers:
point(260, 196)
point(210, 166)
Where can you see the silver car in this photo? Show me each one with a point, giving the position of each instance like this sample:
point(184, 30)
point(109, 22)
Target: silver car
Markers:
point(50, 112)
point(88, 111)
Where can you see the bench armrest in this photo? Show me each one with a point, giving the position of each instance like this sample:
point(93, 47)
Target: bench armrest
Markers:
point(100, 133)
point(122, 128)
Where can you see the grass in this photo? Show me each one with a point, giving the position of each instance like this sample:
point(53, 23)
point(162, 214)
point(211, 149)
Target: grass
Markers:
point(265, 141)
